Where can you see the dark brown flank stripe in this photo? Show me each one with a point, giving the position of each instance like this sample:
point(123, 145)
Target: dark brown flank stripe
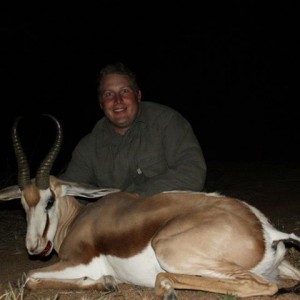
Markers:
point(124, 226)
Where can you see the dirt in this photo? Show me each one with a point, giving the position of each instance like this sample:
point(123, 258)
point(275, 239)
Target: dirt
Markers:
point(274, 188)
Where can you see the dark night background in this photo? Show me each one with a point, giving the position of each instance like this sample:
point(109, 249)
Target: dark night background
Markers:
point(231, 68)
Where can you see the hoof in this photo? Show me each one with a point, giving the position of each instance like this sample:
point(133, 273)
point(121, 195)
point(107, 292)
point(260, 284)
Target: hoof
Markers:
point(110, 284)
point(293, 289)
point(171, 295)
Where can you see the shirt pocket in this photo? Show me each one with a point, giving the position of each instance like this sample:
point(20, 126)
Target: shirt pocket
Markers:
point(151, 165)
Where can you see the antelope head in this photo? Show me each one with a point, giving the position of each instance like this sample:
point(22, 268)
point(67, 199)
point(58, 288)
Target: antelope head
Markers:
point(47, 200)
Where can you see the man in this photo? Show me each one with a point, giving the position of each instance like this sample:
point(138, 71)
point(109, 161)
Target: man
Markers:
point(138, 146)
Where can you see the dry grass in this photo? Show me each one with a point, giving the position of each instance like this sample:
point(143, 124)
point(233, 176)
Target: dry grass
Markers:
point(15, 293)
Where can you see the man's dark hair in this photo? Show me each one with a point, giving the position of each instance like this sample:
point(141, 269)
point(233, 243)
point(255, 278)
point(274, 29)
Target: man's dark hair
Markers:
point(116, 68)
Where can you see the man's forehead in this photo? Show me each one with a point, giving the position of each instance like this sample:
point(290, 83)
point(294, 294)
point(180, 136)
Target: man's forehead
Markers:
point(115, 81)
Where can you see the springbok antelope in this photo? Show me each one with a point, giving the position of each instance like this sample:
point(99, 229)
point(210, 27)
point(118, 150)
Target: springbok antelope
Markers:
point(169, 241)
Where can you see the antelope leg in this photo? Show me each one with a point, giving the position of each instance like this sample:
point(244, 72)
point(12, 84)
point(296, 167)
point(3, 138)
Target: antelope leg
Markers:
point(57, 276)
point(243, 286)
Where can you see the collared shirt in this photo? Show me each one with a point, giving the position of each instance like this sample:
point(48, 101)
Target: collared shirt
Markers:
point(159, 152)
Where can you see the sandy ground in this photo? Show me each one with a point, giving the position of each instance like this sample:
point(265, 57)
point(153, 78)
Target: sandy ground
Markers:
point(274, 188)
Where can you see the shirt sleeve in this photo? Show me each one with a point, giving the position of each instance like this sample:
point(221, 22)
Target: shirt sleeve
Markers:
point(80, 168)
point(186, 164)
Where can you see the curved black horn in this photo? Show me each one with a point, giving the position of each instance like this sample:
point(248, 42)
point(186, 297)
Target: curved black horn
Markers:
point(23, 167)
point(43, 172)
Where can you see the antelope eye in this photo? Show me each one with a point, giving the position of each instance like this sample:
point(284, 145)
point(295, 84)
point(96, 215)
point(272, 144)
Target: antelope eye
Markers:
point(50, 202)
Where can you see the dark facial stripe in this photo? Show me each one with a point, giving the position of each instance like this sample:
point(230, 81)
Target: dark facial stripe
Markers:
point(46, 226)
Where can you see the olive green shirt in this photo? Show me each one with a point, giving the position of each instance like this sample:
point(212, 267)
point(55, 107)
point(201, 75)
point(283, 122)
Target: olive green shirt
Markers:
point(159, 152)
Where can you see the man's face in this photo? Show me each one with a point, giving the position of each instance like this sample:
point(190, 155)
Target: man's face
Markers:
point(119, 101)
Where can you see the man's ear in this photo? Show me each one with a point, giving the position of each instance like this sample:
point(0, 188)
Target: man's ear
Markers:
point(139, 96)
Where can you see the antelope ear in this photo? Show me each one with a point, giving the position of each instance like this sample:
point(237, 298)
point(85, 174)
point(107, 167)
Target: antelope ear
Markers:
point(82, 189)
point(87, 191)
point(10, 193)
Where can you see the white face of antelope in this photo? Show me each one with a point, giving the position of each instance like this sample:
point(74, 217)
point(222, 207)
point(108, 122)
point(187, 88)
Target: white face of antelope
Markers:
point(42, 217)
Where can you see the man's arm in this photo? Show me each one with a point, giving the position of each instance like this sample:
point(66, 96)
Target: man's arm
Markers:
point(79, 169)
point(186, 163)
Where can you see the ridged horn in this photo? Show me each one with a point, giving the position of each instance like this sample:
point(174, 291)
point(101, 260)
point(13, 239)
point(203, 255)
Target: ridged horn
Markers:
point(23, 167)
point(43, 173)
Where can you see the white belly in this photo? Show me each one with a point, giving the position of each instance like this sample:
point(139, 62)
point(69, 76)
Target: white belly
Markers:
point(140, 269)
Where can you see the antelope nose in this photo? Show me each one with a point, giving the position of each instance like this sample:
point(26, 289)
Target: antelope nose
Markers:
point(32, 246)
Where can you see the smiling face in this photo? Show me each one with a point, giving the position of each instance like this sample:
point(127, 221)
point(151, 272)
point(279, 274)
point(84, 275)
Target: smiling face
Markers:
point(119, 101)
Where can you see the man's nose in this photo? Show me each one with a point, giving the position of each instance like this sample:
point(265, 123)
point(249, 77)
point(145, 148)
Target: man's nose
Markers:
point(118, 98)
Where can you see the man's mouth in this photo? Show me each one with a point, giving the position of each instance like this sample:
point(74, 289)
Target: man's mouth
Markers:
point(119, 109)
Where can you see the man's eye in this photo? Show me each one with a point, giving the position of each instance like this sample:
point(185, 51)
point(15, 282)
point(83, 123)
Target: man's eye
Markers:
point(125, 91)
point(107, 95)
